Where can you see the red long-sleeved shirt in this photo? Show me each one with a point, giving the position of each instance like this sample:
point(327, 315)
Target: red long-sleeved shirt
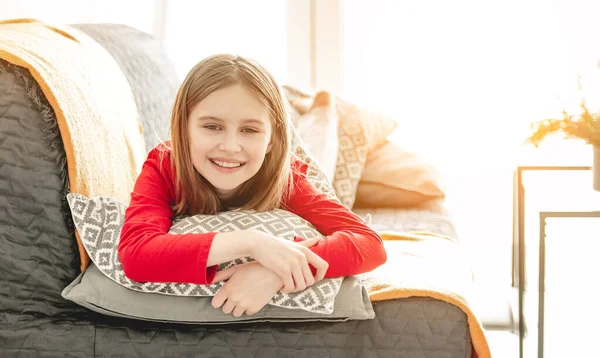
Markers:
point(149, 253)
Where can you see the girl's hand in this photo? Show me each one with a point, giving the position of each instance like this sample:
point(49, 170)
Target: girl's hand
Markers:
point(249, 289)
point(290, 261)
point(310, 243)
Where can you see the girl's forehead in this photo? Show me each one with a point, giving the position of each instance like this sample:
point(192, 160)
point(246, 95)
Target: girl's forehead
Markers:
point(232, 102)
point(235, 93)
point(238, 94)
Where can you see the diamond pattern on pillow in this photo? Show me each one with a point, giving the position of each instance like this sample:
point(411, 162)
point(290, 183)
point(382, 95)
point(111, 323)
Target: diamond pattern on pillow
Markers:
point(100, 219)
point(359, 132)
point(352, 156)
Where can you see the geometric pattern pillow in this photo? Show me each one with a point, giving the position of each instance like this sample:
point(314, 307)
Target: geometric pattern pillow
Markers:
point(99, 221)
point(352, 155)
point(359, 132)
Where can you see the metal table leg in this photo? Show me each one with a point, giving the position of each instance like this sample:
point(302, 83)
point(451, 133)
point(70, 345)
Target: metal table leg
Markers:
point(519, 247)
point(541, 284)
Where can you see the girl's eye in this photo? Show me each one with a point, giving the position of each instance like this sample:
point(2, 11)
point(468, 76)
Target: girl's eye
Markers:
point(249, 130)
point(212, 127)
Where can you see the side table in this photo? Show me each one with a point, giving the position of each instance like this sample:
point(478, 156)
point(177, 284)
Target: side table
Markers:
point(519, 236)
point(542, 263)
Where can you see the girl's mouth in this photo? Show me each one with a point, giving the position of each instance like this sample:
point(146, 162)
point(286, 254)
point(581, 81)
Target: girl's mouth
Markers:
point(226, 166)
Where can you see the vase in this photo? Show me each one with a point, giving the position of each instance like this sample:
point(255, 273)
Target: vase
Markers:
point(596, 167)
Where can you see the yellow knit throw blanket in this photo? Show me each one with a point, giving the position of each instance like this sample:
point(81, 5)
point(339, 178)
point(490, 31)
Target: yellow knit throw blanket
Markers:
point(427, 265)
point(95, 109)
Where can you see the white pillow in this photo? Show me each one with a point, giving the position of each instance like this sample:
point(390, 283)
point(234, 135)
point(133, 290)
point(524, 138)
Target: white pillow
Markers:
point(319, 132)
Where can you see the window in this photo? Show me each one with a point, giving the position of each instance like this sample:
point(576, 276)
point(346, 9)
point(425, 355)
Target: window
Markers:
point(134, 13)
point(465, 79)
point(256, 29)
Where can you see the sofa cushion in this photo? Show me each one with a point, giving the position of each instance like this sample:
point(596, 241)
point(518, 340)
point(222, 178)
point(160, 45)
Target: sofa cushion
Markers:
point(359, 132)
point(396, 177)
point(95, 291)
point(100, 219)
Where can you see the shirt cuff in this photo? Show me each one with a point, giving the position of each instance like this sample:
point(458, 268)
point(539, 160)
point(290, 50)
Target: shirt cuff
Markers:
point(211, 271)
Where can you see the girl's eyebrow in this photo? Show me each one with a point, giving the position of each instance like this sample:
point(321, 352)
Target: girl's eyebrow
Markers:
point(213, 118)
point(209, 118)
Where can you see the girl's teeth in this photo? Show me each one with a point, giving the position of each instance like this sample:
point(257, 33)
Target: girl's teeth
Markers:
point(227, 165)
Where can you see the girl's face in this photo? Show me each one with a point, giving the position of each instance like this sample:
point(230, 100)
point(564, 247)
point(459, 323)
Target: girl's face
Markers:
point(230, 132)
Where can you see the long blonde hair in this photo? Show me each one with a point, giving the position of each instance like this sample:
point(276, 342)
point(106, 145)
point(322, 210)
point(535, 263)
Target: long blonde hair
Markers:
point(273, 182)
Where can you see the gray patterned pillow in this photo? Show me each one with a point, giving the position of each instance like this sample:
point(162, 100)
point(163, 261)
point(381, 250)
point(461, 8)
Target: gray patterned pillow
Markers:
point(99, 221)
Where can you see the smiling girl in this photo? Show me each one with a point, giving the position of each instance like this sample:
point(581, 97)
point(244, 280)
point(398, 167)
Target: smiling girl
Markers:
point(230, 149)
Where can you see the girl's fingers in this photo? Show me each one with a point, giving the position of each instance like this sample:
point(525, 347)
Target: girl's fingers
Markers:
point(321, 271)
point(228, 306)
point(298, 279)
point(224, 275)
point(219, 299)
point(319, 264)
point(308, 276)
point(238, 311)
point(310, 242)
point(288, 282)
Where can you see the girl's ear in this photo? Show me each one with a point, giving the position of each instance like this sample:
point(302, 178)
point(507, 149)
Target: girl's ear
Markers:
point(269, 147)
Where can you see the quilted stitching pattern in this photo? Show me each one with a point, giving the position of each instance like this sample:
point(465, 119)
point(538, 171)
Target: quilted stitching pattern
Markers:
point(37, 248)
point(413, 327)
point(28, 336)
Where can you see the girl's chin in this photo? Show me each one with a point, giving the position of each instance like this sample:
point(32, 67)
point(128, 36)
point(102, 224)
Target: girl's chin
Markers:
point(225, 193)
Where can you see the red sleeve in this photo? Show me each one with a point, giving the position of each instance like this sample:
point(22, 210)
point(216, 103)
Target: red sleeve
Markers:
point(350, 246)
point(146, 250)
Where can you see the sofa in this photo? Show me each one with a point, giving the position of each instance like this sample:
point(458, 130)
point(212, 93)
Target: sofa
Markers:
point(39, 256)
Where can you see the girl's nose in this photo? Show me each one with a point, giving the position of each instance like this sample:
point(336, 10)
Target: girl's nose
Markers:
point(230, 144)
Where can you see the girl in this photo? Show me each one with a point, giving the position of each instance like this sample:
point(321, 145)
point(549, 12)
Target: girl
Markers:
point(230, 148)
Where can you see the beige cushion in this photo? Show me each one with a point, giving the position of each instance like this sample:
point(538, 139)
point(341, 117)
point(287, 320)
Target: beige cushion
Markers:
point(377, 195)
point(395, 177)
point(359, 132)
